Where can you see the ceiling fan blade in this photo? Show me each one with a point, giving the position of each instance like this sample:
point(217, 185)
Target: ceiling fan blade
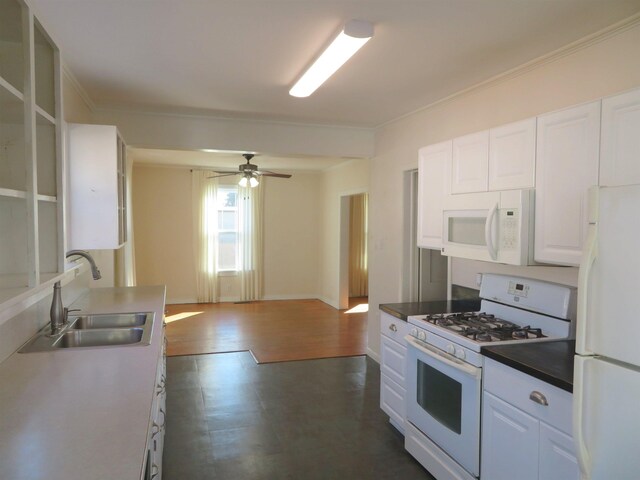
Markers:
point(267, 173)
point(223, 174)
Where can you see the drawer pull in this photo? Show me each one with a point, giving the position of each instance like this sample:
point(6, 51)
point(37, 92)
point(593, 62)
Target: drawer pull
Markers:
point(538, 398)
point(393, 327)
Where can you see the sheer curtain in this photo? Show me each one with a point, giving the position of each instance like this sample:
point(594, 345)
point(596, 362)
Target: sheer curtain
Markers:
point(250, 204)
point(358, 269)
point(204, 195)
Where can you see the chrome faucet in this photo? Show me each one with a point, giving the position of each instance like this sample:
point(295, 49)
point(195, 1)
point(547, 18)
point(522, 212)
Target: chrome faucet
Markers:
point(81, 253)
point(58, 312)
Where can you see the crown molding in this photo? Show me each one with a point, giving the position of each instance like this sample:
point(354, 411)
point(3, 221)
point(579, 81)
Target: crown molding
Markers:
point(78, 87)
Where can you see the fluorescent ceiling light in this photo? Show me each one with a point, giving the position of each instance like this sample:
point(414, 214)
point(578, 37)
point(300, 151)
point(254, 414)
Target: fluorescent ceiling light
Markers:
point(350, 39)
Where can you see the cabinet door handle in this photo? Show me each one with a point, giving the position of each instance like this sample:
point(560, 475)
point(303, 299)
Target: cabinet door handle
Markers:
point(538, 398)
point(393, 327)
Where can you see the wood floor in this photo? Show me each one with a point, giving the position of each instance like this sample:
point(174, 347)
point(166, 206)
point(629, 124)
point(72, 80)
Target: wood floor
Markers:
point(274, 331)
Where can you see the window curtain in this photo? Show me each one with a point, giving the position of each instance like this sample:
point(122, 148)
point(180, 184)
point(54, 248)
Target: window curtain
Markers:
point(204, 193)
point(250, 205)
point(358, 270)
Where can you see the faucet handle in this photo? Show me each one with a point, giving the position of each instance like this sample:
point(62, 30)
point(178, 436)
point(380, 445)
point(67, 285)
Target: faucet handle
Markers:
point(66, 313)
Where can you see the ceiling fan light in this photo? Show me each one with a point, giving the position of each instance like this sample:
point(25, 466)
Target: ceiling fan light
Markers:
point(350, 39)
point(243, 182)
point(253, 182)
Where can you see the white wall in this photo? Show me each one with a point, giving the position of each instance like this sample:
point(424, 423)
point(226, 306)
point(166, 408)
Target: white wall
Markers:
point(343, 180)
point(164, 242)
point(292, 236)
point(602, 68)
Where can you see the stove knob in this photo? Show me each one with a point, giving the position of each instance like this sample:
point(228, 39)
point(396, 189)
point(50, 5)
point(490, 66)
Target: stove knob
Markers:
point(460, 353)
point(451, 350)
point(422, 335)
point(414, 332)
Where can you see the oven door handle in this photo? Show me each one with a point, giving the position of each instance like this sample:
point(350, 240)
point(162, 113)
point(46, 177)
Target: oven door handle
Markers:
point(444, 357)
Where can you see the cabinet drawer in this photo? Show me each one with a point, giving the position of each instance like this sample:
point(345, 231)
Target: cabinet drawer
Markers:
point(515, 388)
point(393, 327)
point(392, 401)
point(392, 360)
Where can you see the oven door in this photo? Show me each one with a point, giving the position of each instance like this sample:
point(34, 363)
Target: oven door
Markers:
point(443, 402)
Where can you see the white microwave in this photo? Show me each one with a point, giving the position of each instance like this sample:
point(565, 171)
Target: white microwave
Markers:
point(490, 226)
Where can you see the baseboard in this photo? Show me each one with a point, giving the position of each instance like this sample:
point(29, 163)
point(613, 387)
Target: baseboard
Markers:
point(297, 296)
point(179, 301)
point(373, 355)
point(329, 302)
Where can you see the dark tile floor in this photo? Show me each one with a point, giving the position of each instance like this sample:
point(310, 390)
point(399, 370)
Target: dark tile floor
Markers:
point(229, 418)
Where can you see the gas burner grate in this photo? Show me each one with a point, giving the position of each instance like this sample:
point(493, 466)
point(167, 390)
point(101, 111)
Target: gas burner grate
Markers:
point(483, 327)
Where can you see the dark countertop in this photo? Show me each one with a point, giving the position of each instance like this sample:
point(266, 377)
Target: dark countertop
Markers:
point(403, 310)
point(551, 362)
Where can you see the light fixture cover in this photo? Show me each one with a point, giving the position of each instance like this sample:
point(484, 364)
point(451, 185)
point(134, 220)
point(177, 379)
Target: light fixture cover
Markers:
point(253, 181)
point(243, 182)
point(350, 39)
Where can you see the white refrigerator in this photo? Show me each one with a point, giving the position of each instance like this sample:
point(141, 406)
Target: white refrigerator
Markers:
point(606, 391)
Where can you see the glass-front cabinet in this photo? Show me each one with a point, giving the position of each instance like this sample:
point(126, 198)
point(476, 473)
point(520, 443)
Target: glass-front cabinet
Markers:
point(31, 240)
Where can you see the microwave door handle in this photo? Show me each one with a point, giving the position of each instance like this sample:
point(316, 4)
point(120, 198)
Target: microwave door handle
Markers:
point(488, 232)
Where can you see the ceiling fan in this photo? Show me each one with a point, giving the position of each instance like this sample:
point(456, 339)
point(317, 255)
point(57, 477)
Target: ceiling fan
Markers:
point(249, 172)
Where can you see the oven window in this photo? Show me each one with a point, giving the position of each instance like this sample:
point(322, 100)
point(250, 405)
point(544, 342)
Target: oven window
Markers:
point(440, 396)
point(467, 230)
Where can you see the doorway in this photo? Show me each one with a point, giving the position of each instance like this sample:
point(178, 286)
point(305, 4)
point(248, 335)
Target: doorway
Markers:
point(426, 270)
point(354, 273)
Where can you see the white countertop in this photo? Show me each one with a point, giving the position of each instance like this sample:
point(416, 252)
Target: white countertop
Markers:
point(82, 414)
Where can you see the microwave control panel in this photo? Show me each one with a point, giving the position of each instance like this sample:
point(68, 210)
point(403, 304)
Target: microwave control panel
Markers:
point(509, 227)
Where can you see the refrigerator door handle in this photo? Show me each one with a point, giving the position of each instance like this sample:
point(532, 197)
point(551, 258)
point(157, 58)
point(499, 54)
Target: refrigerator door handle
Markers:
point(588, 257)
point(582, 454)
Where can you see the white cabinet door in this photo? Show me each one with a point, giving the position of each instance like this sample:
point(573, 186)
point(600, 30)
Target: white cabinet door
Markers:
point(470, 163)
point(620, 152)
point(392, 359)
point(392, 400)
point(557, 455)
point(434, 174)
point(97, 187)
point(512, 155)
point(509, 442)
point(566, 166)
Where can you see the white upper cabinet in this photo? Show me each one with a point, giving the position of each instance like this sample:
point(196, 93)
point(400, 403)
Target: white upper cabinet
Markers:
point(512, 156)
point(31, 196)
point(434, 168)
point(470, 163)
point(566, 166)
point(97, 187)
point(620, 151)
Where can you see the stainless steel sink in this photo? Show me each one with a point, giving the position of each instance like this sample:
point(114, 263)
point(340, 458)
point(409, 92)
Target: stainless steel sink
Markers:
point(99, 338)
point(117, 320)
point(95, 331)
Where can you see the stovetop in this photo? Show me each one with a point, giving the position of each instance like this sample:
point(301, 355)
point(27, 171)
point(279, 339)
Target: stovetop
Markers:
point(483, 327)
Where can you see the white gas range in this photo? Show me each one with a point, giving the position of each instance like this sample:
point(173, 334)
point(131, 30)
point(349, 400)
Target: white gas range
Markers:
point(444, 366)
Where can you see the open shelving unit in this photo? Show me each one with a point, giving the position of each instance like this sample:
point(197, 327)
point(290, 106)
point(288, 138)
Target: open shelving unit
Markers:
point(31, 210)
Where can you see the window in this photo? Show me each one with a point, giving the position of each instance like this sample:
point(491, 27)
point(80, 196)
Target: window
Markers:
point(227, 214)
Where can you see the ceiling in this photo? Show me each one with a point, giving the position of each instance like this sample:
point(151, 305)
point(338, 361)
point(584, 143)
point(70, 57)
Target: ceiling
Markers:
point(230, 160)
point(238, 58)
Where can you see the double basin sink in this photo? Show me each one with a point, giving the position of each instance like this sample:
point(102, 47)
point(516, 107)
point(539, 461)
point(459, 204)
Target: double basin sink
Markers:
point(96, 330)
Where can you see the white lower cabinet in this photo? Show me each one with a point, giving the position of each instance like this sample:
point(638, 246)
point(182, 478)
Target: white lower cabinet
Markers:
point(557, 457)
point(158, 424)
point(518, 439)
point(393, 352)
